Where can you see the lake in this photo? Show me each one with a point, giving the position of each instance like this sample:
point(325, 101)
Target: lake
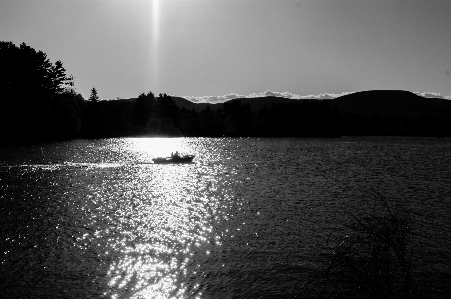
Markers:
point(246, 219)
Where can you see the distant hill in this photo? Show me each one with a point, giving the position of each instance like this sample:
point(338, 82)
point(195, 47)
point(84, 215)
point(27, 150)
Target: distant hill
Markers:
point(258, 103)
point(391, 103)
point(184, 103)
point(383, 102)
point(188, 105)
point(255, 103)
point(398, 113)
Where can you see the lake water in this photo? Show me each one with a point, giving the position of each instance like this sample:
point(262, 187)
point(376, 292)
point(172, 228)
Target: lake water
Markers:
point(95, 218)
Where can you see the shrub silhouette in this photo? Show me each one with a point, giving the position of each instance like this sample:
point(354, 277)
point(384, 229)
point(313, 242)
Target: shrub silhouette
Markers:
point(371, 258)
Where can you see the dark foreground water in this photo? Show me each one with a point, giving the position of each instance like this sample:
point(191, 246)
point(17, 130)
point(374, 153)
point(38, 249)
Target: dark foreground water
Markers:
point(96, 219)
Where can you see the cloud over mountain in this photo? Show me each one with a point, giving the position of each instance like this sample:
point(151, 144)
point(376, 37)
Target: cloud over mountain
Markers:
point(286, 94)
point(432, 95)
point(213, 99)
point(324, 96)
point(289, 95)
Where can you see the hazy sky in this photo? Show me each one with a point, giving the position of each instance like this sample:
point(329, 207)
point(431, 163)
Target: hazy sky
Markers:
point(219, 47)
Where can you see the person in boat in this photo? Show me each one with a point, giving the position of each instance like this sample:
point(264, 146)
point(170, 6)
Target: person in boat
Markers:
point(176, 155)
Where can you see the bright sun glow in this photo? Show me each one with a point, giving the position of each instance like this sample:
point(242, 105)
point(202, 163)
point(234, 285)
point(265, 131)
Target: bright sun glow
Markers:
point(148, 148)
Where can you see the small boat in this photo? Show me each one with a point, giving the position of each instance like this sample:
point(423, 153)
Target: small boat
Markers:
point(174, 159)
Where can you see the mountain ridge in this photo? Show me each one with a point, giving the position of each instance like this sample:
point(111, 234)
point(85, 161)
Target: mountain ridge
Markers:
point(383, 102)
point(391, 102)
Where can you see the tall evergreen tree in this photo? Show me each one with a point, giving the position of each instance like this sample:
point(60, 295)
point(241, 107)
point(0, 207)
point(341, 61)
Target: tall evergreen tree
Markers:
point(93, 97)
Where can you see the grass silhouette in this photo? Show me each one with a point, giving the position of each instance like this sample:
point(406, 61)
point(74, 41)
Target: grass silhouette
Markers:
point(371, 257)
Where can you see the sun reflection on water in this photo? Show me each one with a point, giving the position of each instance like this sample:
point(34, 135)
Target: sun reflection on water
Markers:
point(163, 226)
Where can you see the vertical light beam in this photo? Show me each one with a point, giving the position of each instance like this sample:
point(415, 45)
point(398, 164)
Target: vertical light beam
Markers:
point(155, 44)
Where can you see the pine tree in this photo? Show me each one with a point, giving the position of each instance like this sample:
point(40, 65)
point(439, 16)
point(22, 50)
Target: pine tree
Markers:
point(93, 97)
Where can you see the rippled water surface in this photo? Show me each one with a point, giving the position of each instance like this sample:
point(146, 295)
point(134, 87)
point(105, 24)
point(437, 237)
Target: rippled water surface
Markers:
point(92, 219)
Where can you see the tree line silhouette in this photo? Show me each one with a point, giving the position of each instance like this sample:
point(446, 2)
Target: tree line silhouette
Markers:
point(39, 103)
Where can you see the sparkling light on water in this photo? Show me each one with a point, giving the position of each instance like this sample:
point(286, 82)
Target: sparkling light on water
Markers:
point(97, 219)
point(161, 228)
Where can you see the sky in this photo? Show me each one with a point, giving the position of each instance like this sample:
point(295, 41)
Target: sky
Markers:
point(218, 49)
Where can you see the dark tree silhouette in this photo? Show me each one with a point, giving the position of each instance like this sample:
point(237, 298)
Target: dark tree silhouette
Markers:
point(25, 64)
point(66, 115)
point(143, 108)
point(238, 118)
point(93, 97)
point(165, 107)
point(166, 116)
point(28, 82)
